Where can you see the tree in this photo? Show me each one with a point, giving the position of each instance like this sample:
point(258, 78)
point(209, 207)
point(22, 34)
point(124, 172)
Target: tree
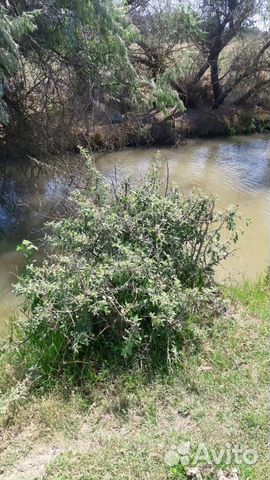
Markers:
point(77, 57)
point(89, 35)
point(12, 30)
point(223, 20)
point(166, 32)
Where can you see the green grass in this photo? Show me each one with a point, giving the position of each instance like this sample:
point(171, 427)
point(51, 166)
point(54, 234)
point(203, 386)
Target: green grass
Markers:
point(254, 296)
point(121, 428)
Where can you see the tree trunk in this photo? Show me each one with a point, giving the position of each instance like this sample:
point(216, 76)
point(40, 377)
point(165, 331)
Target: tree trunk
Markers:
point(199, 75)
point(215, 79)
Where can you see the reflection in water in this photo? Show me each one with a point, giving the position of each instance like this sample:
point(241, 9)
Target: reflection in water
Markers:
point(236, 170)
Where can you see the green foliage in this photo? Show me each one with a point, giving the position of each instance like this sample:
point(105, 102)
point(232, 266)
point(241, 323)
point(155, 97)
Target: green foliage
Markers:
point(251, 127)
point(163, 29)
point(95, 36)
point(79, 48)
point(164, 97)
point(11, 32)
point(167, 26)
point(123, 275)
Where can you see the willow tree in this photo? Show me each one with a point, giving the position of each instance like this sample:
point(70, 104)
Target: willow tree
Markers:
point(12, 31)
point(92, 37)
point(163, 51)
point(78, 55)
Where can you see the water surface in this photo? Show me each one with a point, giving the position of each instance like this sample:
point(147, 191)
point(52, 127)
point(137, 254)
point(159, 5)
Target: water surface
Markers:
point(236, 170)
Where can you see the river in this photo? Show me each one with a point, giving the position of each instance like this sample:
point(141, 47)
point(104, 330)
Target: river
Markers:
point(236, 169)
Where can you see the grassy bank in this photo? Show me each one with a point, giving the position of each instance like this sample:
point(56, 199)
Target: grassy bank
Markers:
point(123, 427)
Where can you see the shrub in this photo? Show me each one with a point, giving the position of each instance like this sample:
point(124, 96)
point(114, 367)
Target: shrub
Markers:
point(123, 275)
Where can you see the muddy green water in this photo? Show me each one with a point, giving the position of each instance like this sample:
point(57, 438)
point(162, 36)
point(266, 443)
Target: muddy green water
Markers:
point(237, 170)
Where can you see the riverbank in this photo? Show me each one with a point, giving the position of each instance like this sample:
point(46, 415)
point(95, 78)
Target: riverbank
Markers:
point(158, 129)
point(110, 133)
point(125, 427)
